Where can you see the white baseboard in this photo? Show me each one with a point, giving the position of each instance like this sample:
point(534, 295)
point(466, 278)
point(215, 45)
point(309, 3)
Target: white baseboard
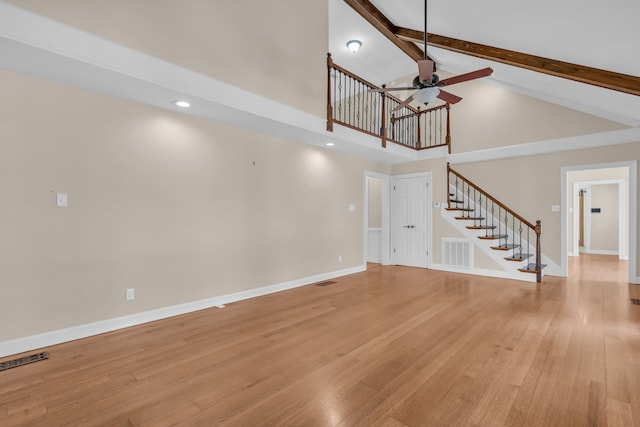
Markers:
point(47, 339)
point(516, 275)
point(601, 252)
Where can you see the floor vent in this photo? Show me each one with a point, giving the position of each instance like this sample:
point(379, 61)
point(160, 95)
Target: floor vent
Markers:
point(23, 361)
point(327, 283)
point(635, 301)
point(457, 253)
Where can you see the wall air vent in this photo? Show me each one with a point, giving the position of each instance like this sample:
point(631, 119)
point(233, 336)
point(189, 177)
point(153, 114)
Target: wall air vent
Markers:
point(457, 253)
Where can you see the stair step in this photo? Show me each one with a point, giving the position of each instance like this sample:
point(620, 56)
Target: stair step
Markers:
point(519, 257)
point(460, 209)
point(505, 247)
point(481, 227)
point(531, 268)
point(493, 237)
point(473, 218)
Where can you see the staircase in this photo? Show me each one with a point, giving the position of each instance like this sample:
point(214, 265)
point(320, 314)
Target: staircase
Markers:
point(515, 239)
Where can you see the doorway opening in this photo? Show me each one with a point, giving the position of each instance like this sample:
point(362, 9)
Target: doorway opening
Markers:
point(599, 211)
point(376, 218)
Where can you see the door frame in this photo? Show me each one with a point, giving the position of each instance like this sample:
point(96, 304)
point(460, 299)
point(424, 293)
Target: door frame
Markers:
point(633, 213)
point(587, 217)
point(384, 214)
point(429, 222)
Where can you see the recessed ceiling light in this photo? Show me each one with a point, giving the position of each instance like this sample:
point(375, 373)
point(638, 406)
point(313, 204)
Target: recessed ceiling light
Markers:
point(182, 104)
point(330, 144)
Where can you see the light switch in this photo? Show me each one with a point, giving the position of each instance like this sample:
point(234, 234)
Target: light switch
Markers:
point(352, 207)
point(555, 208)
point(436, 204)
point(61, 200)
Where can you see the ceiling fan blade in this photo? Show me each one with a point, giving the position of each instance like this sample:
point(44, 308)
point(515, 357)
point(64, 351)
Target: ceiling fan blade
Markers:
point(425, 70)
point(389, 89)
point(404, 103)
point(485, 72)
point(449, 97)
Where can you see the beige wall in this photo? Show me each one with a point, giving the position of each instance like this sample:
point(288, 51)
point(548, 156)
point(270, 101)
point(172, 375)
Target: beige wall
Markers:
point(374, 198)
point(167, 204)
point(531, 185)
point(441, 228)
point(604, 225)
point(492, 116)
point(249, 44)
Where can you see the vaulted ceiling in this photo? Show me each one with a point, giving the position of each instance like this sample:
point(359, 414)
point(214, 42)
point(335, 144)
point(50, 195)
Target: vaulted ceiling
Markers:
point(528, 44)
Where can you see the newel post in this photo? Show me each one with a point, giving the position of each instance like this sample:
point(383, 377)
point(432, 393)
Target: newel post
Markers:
point(329, 107)
point(383, 121)
point(538, 253)
point(448, 137)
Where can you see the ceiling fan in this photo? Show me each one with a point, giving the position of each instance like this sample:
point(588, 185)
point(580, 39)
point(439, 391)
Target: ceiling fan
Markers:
point(428, 84)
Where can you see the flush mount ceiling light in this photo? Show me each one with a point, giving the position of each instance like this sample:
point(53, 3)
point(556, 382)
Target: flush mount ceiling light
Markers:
point(330, 144)
point(354, 45)
point(182, 104)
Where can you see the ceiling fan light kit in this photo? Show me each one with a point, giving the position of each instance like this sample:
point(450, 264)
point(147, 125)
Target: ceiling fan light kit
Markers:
point(428, 84)
point(427, 95)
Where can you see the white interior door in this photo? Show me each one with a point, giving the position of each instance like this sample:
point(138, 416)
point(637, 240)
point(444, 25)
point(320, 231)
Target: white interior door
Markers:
point(411, 231)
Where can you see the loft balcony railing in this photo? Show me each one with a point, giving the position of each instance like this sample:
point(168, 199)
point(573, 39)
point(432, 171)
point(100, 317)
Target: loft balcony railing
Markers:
point(351, 103)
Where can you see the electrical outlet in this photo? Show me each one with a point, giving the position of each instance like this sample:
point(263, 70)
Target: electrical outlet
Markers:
point(131, 294)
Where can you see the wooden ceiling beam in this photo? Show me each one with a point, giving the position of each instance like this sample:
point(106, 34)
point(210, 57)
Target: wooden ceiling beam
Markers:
point(386, 27)
point(580, 73)
point(405, 39)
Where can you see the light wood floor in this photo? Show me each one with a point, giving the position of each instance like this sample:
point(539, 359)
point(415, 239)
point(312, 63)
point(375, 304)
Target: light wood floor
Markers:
point(394, 346)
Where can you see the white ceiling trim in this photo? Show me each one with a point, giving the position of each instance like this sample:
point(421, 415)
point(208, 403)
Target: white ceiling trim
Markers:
point(604, 139)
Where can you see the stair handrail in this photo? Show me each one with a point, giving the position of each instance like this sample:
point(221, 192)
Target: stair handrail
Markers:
point(537, 228)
